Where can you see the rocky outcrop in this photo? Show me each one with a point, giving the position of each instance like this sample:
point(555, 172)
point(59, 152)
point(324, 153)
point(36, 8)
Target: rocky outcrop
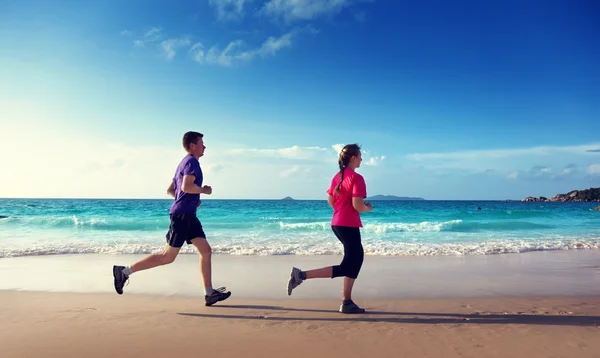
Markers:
point(591, 194)
point(531, 198)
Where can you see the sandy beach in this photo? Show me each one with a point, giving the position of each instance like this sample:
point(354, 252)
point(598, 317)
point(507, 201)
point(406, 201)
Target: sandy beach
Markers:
point(103, 325)
point(531, 305)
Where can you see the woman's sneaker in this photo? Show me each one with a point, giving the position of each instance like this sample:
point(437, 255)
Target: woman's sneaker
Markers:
point(351, 308)
point(295, 280)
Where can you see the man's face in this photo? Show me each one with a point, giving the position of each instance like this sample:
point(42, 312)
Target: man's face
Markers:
point(198, 149)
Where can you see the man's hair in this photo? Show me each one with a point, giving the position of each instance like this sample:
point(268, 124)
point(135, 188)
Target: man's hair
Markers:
point(191, 138)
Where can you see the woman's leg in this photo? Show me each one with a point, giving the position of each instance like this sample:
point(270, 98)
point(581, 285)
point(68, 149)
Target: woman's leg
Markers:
point(349, 268)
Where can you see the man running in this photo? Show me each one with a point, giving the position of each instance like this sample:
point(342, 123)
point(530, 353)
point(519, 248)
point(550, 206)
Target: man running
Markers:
point(185, 227)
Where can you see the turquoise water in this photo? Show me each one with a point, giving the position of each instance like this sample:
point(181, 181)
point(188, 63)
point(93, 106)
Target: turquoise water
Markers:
point(265, 227)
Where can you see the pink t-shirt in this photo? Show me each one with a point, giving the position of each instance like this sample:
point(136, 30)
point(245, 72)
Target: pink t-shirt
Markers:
point(353, 185)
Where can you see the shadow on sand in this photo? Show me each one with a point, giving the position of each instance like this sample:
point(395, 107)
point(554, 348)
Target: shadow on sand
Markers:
point(410, 317)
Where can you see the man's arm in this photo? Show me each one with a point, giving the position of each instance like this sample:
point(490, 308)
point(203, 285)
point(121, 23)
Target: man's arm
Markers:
point(171, 189)
point(188, 186)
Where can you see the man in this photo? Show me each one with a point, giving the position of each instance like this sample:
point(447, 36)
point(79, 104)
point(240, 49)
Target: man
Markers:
point(185, 188)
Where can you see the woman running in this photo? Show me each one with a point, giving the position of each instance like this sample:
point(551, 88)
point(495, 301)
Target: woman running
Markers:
point(346, 196)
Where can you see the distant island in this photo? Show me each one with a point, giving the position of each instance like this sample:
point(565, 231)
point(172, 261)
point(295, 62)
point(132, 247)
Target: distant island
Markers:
point(287, 198)
point(391, 197)
point(587, 195)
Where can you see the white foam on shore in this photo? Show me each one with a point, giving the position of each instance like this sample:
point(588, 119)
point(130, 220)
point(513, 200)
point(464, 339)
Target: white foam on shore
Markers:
point(378, 228)
point(271, 248)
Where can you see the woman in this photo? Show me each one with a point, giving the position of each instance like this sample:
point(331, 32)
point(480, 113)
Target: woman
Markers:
point(346, 196)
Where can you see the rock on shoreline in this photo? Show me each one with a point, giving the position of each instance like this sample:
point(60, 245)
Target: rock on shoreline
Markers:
point(587, 195)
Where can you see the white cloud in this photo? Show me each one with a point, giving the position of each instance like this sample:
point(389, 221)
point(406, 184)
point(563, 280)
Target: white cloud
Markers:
point(303, 10)
point(504, 153)
point(237, 51)
point(594, 169)
point(293, 152)
point(198, 51)
point(367, 160)
point(514, 175)
point(228, 10)
point(374, 161)
point(171, 46)
point(338, 148)
point(126, 33)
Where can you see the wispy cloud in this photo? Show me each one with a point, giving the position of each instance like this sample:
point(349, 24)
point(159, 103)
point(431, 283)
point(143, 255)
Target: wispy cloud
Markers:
point(503, 153)
point(213, 168)
point(538, 173)
point(235, 52)
point(293, 152)
point(171, 46)
point(513, 175)
point(542, 163)
point(568, 171)
point(228, 10)
point(593, 150)
point(594, 169)
point(295, 170)
point(303, 10)
point(238, 51)
point(151, 36)
point(534, 173)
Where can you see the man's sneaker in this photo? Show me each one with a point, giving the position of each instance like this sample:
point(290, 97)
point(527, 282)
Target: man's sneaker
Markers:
point(218, 295)
point(120, 278)
point(295, 280)
point(351, 308)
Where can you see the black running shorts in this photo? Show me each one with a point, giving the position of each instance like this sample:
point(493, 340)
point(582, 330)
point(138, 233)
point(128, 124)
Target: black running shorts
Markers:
point(184, 228)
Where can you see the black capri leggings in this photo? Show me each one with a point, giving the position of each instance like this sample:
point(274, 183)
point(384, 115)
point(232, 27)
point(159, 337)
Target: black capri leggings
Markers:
point(353, 252)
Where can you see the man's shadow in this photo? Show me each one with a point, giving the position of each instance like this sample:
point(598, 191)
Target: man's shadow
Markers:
point(409, 317)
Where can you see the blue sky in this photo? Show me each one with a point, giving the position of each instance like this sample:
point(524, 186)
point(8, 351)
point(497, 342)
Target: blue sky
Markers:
point(449, 100)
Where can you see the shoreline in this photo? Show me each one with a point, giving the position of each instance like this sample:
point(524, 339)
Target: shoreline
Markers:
point(542, 273)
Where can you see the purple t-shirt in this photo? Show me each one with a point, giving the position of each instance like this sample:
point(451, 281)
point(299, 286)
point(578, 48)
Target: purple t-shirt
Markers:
point(184, 202)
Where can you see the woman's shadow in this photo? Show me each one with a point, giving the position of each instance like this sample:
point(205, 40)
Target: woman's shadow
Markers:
point(409, 317)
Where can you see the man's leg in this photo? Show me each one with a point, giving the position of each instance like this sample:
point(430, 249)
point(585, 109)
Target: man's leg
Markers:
point(121, 273)
point(211, 296)
point(205, 252)
point(175, 238)
point(164, 258)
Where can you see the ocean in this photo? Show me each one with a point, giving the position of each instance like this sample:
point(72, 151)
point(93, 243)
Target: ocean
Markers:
point(33, 227)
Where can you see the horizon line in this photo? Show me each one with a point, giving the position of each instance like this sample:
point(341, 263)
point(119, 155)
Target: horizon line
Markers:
point(241, 199)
